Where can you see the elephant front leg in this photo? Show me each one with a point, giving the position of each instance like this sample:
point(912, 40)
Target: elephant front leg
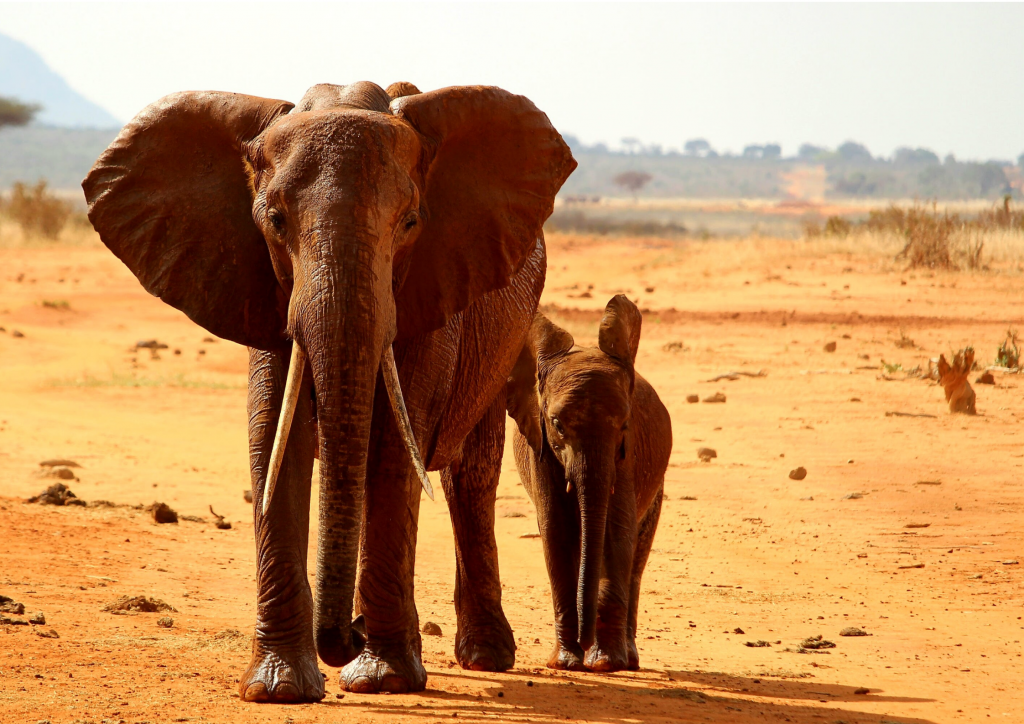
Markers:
point(283, 667)
point(484, 640)
point(391, 660)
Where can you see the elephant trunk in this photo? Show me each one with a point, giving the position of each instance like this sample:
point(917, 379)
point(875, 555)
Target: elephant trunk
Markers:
point(594, 491)
point(345, 320)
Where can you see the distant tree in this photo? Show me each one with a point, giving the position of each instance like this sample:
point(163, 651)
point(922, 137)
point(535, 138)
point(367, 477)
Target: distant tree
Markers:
point(632, 181)
point(631, 144)
point(950, 159)
point(753, 151)
point(697, 147)
point(771, 151)
point(852, 151)
point(15, 113)
point(914, 157)
point(810, 152)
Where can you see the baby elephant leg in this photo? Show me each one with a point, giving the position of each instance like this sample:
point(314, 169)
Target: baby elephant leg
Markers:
point(645, 538)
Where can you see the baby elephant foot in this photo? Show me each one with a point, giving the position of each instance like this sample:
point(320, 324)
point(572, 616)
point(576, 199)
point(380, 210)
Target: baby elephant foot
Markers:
point(566, 658)
point(491, 651)
point(397, 671)
point(612, 658)
point(281, 676)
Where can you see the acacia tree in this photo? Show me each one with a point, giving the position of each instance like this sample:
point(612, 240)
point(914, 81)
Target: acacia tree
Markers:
point(15, 113)
point(632, 181)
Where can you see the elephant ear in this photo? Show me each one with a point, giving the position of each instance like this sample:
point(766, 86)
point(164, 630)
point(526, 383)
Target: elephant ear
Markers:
point(619, 335)
point(172, 198)
point(497, 163)
point(544, 343)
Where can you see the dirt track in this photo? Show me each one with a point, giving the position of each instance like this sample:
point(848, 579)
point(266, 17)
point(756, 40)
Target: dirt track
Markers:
point(740, 544)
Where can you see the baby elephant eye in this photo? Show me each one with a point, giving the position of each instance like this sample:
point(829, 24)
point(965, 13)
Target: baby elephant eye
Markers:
point(557, 425)
point(411, 220)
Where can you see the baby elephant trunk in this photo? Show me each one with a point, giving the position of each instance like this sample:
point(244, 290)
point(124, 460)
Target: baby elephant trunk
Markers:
point(593, 519)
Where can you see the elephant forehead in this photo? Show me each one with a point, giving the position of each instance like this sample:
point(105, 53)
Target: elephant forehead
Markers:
point(587, 382)
point(339, 136)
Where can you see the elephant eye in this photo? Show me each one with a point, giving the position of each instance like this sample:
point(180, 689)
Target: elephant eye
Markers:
point(276, 219)
point(557, 425)
point(411, 220)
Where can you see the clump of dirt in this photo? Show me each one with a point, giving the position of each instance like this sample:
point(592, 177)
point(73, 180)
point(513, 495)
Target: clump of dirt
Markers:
point(853, 631)
point(165, 622)
point(59, 463)
point(985, 378)
point(816, 642)
point(705, 454)
point(717, 397)
point(953, 378)
point(247, 495)
point(163, 513)
point(830, 347)
point(798, 473)
point(759, 644)
point(139, 604)
point(60, 472)
point(692, 398)
point(57, 494)
point(8, 605)
point(220, 523)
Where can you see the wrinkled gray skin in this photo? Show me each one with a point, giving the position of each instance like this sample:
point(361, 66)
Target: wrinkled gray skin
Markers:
point(351, 224)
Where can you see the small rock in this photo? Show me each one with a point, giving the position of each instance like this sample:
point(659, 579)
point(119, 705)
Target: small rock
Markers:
point(1011, 563)
point(163, 513)
point(59, 463)
point(530, 535)
point(738, 630)
point(51, 634)
point(247, 494)
point(38, 618)
point(717, 397)
point(431, 629)
point(339, 695)
point(861, 690)
point(830, 347)
point(798, 473)
point(150, 344)
point(759, 644)
point(61, 473)
point(15, 333)
point(853, 496)
point(986, 378)
point(705, 454)
point(4, 620)
point(816, 642)
point(14, 607)
point(853, 631)
point(693, 398)
point(165, 622)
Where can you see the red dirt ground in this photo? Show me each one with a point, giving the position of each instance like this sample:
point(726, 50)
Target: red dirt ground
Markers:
point(741, 545)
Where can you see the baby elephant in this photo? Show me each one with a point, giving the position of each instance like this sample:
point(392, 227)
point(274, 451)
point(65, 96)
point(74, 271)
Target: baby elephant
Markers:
point(592, 447)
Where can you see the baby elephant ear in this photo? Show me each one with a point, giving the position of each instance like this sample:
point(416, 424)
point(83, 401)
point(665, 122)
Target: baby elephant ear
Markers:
point(543, 343)
point(493, 164)
point(171, 197)
point(619, 336)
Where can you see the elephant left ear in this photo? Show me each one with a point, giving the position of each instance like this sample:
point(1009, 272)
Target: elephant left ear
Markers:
point(497, 163)
point(619, 335)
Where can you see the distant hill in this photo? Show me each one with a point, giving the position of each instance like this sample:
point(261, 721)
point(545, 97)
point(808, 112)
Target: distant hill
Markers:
point(25, 76)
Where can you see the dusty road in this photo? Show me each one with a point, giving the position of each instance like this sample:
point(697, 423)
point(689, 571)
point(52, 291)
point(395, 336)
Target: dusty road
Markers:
point(741, 545)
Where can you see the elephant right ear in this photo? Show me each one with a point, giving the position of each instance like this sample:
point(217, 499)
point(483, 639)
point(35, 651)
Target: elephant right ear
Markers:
point(544, 343)
point(172, 198)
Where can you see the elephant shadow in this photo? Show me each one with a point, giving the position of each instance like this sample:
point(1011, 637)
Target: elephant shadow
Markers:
point(629, 697)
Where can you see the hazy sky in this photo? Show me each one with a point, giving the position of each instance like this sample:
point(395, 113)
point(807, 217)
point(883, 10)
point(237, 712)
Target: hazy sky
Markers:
point(946, 77)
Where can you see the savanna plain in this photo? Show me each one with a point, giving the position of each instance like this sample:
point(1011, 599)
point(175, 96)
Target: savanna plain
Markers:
point(907, 526)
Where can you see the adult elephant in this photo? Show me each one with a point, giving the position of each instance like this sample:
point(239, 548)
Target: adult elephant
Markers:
point(367, 246)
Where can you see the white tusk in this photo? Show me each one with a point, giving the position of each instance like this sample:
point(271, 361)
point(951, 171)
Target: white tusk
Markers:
point(390, 372)
point(292, 386)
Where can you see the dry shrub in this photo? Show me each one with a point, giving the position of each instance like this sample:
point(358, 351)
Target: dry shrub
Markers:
point(36, 210)
point(953, 379)
point(1008, 354)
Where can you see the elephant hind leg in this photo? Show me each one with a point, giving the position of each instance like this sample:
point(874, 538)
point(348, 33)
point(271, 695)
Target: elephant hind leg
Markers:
point(484, 641)
point(644, 541)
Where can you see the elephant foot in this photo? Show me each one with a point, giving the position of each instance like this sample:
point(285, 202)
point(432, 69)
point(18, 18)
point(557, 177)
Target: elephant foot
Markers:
point(491, 651)
point(611, 658)
point(281, 676)
point(396, 671)
point(566, 658)
point(632, 656)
